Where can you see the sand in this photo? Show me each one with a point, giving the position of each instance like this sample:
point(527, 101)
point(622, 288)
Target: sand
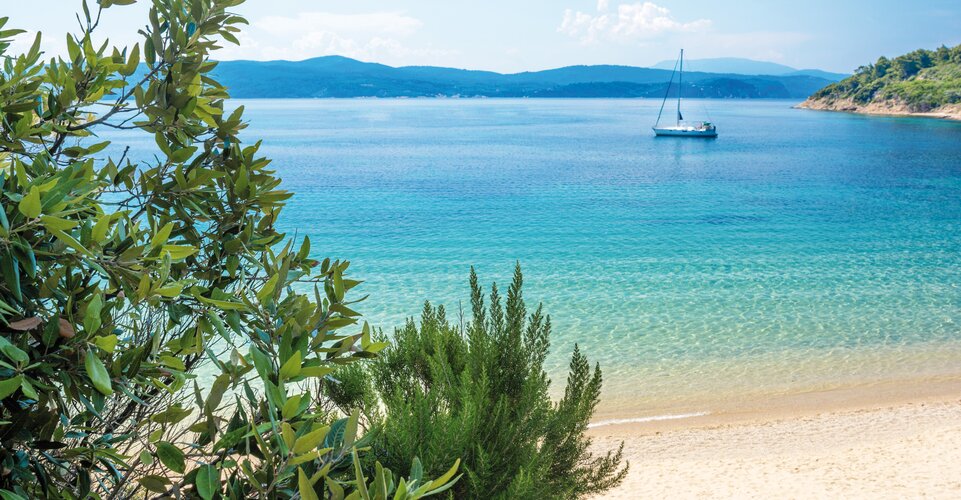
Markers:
point(905, 450)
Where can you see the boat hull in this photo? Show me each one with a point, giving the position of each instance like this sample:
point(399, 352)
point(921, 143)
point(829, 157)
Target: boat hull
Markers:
point(710, 133)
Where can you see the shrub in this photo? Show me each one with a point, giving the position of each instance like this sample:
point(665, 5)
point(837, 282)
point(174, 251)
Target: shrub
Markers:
point(923, 80)
point(479, 392)
point(121, 277)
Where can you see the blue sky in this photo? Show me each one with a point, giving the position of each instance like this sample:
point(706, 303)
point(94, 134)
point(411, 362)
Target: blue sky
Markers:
point(517, 35)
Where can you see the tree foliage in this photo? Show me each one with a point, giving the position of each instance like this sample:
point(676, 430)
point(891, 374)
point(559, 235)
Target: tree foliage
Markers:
point(479, 392)
point(123, 278)
point(924, 80)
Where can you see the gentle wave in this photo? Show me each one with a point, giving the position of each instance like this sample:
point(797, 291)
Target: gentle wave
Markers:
point(638, 420)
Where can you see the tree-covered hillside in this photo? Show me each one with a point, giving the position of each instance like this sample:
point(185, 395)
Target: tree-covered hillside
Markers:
point(335, 76)
point(922, 81)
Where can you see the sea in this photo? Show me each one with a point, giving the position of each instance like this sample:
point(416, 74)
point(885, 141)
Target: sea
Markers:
point(799, 251)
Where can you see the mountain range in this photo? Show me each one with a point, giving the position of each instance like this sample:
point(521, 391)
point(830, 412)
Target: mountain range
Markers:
point(741, 66)
point(336, 76)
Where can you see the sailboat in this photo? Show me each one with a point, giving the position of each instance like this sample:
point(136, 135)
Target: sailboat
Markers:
point(681, 128)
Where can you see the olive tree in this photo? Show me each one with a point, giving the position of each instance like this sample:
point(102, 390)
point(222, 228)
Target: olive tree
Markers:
point(124, 276)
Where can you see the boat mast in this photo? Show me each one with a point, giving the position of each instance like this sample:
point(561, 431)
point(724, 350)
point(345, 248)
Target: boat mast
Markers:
point(667, 93)
point(680, 88)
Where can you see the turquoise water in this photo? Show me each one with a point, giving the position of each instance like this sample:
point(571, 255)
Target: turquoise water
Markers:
point(800, 249)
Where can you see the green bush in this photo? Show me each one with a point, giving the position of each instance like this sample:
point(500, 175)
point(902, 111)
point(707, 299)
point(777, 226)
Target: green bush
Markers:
point(923, 80)
point(479, 392)
point(122, 277)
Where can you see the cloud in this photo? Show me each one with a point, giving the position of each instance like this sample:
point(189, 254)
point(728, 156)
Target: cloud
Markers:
point(374, 36)
point(49, 47)
point(630, 22)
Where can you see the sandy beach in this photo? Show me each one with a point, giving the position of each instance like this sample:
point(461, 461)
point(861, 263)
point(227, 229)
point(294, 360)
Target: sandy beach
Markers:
point(832, 445)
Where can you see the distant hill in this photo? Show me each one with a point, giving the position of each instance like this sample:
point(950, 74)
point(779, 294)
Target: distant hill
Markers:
point(739, 66)
point(924, 81)
point(336, 76)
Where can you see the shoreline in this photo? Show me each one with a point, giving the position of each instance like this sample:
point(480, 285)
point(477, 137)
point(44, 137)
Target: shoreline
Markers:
point(772, 407)
point(892, 440)
point(950, 112)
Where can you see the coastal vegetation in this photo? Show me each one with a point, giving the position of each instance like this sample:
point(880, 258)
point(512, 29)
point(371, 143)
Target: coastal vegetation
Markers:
point(919, 82)
point(478, 392)
point(123, 279)
point(159, 337)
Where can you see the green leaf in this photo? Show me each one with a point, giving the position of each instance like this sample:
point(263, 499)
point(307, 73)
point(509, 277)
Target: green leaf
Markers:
point(268, 289)
point(178, 252)
point(338, 285)
point(441, 481)
point(401, 493)
point(28, 390)
point(97, 373)
point(291, 368)
point(4, 222)
point(261, 362)
point(132, 61)
point(155, 484)
point(171, 415)
point(51, 222)
point(304, 487)
point(306, 457)
point(10, 268)
point(173, 362)
point(350, 430)
point(216, 394)
point(99, 233)
point(30, 204)
point(316, 371)
point(336, 490)
point(12, 352)
point(9, 495)
point(161, 237)
point(70, 241)
point(73, 50)
point(416, 470)
point(91, 317)
point(107, 342)
point(380, 481)
point(291, 406)
point(359, 473)
point(9, 386)
point(310, 441)
point(171, 456)
point(223, 304)
point(207, 481)
point(170, 291)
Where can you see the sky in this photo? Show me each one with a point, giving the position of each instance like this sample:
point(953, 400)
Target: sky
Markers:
point(522, 35)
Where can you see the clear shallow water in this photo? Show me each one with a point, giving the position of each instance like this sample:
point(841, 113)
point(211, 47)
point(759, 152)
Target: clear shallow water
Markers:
point(799, 249)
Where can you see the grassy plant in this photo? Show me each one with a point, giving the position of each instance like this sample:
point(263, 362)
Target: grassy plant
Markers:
point(480, 393)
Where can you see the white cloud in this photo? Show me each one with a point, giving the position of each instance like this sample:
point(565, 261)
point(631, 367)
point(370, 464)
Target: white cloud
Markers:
point(376, 36)
point(630, 22)
point(48, 46)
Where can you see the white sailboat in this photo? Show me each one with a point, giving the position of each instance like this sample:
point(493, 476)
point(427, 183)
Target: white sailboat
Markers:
point(681, 128)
